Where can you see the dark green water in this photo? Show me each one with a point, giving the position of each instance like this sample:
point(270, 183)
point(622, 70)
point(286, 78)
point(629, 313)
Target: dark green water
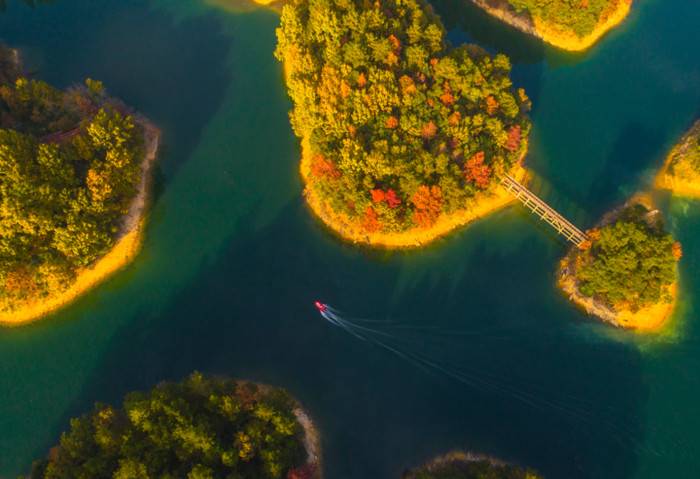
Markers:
point(232, 259)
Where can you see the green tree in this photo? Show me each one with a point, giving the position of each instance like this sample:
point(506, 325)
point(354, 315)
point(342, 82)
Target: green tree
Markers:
point(387, 104)
point(69, 166)
point(630, 263)
point(202, 428)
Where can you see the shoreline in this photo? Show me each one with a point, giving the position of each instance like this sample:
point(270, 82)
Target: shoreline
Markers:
point(312, 437)
point(552, 34)
point(648, 319)
point(679, 186)
point(242, 6)
point(452, 457)
point(490, 201)
point(312, 441)
point(127, 245)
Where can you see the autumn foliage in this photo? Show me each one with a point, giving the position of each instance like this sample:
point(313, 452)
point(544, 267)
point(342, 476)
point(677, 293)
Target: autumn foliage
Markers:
point(69, 169)
point(390, 108)
point(476, 171)
point(677, 251)
point(428, 205)
point(324, 168)
point(306, 471)
point(513, 143)
point(370, 222)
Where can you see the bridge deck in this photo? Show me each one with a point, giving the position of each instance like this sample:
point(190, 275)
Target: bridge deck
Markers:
point(544, 211)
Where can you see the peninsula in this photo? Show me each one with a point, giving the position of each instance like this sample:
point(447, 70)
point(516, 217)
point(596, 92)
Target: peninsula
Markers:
point(74, 174)
point(681, 171)
point(403, 137)
point(626, 272)
point(201, 428)
point(466, 465)
point(569, 25)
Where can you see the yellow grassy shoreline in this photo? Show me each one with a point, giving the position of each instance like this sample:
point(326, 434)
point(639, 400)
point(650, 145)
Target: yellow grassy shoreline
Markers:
point(566, 40)
point(666, 180)
point(484, 204)
point(122, 253)
point(649, 319)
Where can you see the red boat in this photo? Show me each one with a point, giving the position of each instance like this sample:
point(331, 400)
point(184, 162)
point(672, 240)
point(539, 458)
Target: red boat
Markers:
point(322, 308)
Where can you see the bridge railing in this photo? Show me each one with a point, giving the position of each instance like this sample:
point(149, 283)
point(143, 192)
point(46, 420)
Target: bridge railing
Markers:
point(535, 204)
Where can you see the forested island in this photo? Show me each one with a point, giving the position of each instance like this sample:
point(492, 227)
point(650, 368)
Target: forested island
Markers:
point(461, 465)
point(681, 171)
point(73, 173)
point(201, 428)
point(626, 272)
point(403, 137)
point(570, 25)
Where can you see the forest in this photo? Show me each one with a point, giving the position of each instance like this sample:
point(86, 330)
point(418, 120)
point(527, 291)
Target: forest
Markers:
point(629, 263)
point(402, 127)
point(69, 166)
point(201, 428)
point(580, 17)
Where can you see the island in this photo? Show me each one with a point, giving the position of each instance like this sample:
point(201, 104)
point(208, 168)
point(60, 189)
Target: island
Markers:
point(626, 272)
point(569, 25)
point(681, 171)
point(74, 169)
point(466, 465)
point(403, 137)
point(200, 428)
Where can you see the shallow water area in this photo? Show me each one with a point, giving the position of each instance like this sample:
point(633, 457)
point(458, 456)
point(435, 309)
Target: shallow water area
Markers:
point(233, 260)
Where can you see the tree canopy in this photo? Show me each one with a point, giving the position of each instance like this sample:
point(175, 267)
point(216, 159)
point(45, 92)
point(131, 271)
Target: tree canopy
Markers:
point(402, 127)
point(580, 16)
point(629, 263)
point(69, 166)
point(685, 157)
point(202, 428)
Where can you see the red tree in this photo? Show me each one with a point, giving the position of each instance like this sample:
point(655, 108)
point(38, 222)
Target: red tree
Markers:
point(304, 472)
point(378, 196)
point(513, 142)
point(476, 172)
point(391, 199)
point(370, 223)
point(428, 205)
point(392, 122)
point(324, 168)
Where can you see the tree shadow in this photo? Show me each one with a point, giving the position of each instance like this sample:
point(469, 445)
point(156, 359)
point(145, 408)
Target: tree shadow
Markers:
point(636, 150)
point(468, 23)
point(174, 71)
point(249, 314)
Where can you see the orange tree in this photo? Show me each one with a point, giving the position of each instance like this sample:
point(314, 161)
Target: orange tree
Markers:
point(392, 112)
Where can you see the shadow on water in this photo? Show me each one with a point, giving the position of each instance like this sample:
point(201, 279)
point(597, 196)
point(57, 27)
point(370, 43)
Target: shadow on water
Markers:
point(467, 22)
point(636, 149)
point(173, 71)
point(249, 315)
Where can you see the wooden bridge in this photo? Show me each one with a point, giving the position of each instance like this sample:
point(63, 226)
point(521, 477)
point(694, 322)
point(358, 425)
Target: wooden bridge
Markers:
point(544, 211)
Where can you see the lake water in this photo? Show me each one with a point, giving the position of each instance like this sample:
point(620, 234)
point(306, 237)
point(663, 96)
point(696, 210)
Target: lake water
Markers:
point(233, 260)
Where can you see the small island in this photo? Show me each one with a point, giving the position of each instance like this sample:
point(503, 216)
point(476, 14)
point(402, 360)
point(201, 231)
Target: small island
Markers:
point(465, 465)
point(201, 428)
point(626, 272)
point(74, 167)
point(569, 25)
point(681, 171)
point(403, 137)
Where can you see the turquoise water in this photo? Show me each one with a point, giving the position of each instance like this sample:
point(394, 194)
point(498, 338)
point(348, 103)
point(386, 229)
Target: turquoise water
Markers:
point(232, 258)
